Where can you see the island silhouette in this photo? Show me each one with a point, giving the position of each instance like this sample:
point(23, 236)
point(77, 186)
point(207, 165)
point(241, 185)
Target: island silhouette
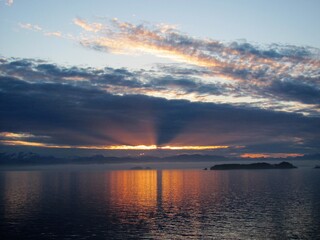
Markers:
point(262, 165)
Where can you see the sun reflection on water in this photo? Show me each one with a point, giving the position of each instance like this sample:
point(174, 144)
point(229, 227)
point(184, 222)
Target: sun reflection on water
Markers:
point(161, 204)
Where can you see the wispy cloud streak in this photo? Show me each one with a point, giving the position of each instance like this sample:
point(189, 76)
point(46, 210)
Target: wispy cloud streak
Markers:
point(55, 34)
point(30, 26)
point(37, 28)
point(9, 2)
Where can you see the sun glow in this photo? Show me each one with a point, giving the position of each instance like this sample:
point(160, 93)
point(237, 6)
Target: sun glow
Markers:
point(193, 147)
point(111, 147)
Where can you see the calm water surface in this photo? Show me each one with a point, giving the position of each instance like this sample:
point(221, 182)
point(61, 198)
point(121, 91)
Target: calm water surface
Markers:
point(160, 204)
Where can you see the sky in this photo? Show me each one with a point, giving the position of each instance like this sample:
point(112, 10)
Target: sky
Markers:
point(232, 78)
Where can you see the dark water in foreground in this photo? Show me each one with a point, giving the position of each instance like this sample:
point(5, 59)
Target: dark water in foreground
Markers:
point(163, 204)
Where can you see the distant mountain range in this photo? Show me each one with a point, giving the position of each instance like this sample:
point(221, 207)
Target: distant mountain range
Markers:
point(33, 158)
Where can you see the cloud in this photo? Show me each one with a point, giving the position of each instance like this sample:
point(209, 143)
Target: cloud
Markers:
point(250, 73)
point(272, 155)
point(171, 82)
point(55, 34)
point(277, 77)
point(93, 27)
point(9, 2)
point(235, 61)
point(37, 28)
point(296, 90)
point(81, 113)
point(30, 26)
point(15, 135)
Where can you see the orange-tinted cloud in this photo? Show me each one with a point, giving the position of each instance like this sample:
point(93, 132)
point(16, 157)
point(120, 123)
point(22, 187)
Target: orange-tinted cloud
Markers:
point(93, 27)
point(11, 135)
point(270, 155)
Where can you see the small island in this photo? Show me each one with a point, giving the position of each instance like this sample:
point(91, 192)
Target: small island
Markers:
point(140, 168)
point(263, 165)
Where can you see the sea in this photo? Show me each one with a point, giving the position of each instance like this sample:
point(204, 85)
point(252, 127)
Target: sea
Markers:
point(165, 202)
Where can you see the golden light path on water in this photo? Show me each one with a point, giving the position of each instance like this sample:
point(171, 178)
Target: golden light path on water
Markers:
point(112, 147)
